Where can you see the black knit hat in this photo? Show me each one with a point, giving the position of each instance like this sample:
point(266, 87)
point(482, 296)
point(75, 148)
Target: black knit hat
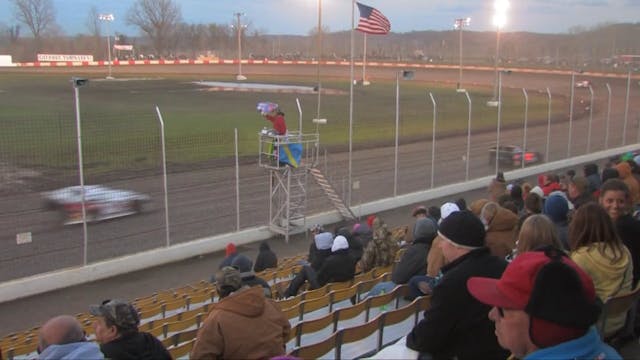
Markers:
point(464, 229)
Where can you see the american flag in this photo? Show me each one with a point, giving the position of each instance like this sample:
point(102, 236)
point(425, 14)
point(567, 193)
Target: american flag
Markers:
point(372, 21)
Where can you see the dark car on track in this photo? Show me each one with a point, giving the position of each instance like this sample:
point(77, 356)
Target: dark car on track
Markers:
point(512, 155)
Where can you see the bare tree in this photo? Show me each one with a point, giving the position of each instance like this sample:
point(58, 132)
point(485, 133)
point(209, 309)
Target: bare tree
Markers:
point(38, 15)
point(156, 18)
point(93, 22)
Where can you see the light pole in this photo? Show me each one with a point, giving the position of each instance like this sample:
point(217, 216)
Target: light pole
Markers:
point(239, 27)
point(499, 117)
point(77, 84)
point(108, 18)
point(499, 20)
point(406, 75)
point(319, 57)
point(459, 25)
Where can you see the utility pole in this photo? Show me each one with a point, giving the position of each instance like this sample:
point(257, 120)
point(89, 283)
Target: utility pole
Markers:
point(239, 27)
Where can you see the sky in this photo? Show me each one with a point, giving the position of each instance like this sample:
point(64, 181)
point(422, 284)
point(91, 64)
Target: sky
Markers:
point(299, 17)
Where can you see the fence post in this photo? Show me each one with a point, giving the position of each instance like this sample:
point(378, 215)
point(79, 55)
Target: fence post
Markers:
point(235, 133)
point(76, 91)
point(606, 131)
point(164, 176)
point(626, 109)
point(433, 138)
point(499, 122)
point(299, 117)
point(526, 118)
point(573, 76)
point(590, 119)
point(468, 159)
point(548, 125)
point(395, 172)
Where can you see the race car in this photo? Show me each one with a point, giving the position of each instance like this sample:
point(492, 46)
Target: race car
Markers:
point(583, 84)
point(101, 203)
point(512, 155)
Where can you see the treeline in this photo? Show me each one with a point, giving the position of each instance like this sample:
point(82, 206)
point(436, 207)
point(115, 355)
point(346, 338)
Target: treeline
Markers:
point(163, 34)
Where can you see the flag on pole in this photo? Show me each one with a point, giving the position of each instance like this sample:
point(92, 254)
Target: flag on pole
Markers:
point(372, 21)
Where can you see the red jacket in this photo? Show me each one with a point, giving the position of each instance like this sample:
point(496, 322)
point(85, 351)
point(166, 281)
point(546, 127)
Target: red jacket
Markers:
point(278, 123)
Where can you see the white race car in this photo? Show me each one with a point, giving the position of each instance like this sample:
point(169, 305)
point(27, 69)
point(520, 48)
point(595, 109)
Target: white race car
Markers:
point(101, 203)
point(583, 84)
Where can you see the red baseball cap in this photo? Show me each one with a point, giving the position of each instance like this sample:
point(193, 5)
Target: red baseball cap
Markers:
point(557, 294)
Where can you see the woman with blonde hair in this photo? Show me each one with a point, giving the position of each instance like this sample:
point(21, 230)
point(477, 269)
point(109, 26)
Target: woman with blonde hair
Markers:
point(597, 249)
point(536, 231)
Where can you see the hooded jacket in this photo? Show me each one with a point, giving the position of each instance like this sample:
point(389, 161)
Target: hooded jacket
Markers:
point(79, 350)
point(629, 232)
point(338, 267)
point(591, 173)
point(320, 249)
point(500, 236)
point(588, 346)
point(266, 258)
point(249, 278)
point(139, 345)
point(414, 260)
point(381, 251)
point(244, 325)
point(230, 253)
point(609, 278)
point(556, 207)
point(624, 170)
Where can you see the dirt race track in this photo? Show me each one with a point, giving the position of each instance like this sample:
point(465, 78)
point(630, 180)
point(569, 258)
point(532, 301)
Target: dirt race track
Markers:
point(202, 201)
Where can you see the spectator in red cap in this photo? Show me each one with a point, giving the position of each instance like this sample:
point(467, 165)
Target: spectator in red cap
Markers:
point(544, 307)
point(230, 253)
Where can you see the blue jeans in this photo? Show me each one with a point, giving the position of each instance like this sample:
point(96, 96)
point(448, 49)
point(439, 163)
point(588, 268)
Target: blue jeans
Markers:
point(382, 288)
point(414, 291)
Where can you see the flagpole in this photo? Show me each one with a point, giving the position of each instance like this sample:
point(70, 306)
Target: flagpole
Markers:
point(364, 62)
point(353, 5)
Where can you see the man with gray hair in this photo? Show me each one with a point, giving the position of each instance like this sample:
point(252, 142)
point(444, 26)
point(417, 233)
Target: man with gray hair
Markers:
point(62, 337)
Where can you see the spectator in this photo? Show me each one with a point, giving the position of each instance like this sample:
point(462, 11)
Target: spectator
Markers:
point(516, 197)
point(230, 253)
point(62, 337)
point(362, 233)
point(544, 307)
point(336, 268)
point(242, 325)
point(616, 201)
point(414, 259)
point(557, 209)
point(277, 121)
point(497, 187)
point(500, 225)
point(609, 173)
point(420, 212)
point(592, 174)
point(266, 258)
point(526, 188)
point(578, 191)
point(355, 246)
point(456, 325)
point(532, 205)
point(382, 250)
point(538, 191)
point(320, 247)
point(116, 328)
point(435, 258)
point(249, 278)
point(537, 231)
point(461, 203)
point(624, 170)
point(434, 213)
point(550, 183)
point(597, 249)
point(447, 209)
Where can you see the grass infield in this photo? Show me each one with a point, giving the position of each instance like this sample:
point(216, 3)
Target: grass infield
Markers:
point(120, 127)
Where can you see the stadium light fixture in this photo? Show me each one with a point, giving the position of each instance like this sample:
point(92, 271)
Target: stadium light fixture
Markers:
point(459, 25)
point(108, 18)
point(499, 20)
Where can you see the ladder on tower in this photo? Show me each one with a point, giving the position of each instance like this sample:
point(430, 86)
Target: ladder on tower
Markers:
point(330, 192)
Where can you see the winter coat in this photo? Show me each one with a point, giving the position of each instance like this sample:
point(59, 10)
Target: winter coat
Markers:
point(338, 267)
point(363, 234)
point(588, 346)
point(609, 279)
point(500, 236)
point(582, 199)
point(243, 325)
point(413, 262)
point(320, 249)
point(456, 324)
point(435, 258)
point(227, 260)
point(266, 258)
point(278, 123)
point(624, 170)
point(74, 351)
point(629, 232)
point(139, 345)
point(355, 246)
point(381, 251)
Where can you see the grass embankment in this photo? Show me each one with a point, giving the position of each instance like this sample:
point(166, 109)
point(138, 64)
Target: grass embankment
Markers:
point(120, 128)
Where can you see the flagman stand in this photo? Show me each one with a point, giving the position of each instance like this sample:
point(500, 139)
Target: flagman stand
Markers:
point(289, 158)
